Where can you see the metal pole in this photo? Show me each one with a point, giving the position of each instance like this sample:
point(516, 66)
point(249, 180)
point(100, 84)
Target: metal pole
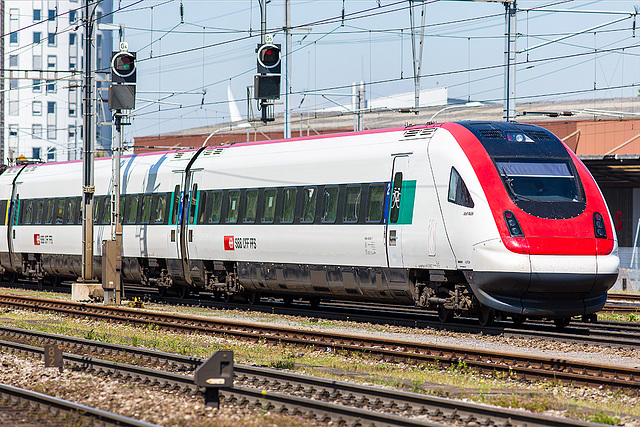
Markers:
point(287, 67)
point(416, 49)
point(2, 126)
point(509, 111)
point(87, 158)
point(263, 34)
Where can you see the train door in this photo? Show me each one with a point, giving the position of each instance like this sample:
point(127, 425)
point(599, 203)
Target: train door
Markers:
point(174, 261)
point(191, 259)
point(397, 212)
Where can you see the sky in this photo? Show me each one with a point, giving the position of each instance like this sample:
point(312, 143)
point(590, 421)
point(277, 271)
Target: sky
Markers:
point(186, 62)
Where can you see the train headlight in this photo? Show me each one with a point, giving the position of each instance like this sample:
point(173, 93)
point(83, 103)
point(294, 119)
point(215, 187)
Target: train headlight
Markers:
point(598, 226)
point(512, 224)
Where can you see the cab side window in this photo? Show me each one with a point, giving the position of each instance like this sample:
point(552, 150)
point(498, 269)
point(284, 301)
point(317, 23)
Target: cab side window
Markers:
point(458, 192)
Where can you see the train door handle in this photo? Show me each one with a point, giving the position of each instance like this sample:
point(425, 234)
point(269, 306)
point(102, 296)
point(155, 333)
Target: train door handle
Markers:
point(173, 235)
point(393, 237)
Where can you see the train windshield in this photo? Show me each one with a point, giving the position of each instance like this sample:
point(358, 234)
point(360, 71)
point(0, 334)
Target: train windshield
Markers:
point(540, 181)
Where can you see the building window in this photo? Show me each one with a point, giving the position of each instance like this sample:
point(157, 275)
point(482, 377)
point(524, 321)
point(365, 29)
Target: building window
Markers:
point(52, 39)
point(14, 25)
point(13, 83)
point(51, 154)
point(51, 86)
point(37, 15)
point(35, 152)
point(13, 130)
point(37, 62)
point(37, 85)
point(36, 108)
point(13, 61)
point(51, 107)
point(52, 61)
point(72, 63)
point(52, 15)
point(71, 133)
point(51, 132)
point(73, 16)
point(36, 130)
point(72, 109)
point(72, 39)
point(37, 35)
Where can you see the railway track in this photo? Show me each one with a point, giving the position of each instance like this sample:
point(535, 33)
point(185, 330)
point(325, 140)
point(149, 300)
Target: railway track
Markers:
point(339, 401)
point(524, 366)
point(39, 402)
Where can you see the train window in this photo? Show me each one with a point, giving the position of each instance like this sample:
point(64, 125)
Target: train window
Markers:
point(71, 210)
point(38, 211)
point(309, 196)
point(3, 212)
point(27, 211)
point(193, 204)
point(60, 205)
point(15, 210)
point(145, 216)
point(215, 201)
point(233, 206)
point(269, 208)
point(458, 192)
point(375, 204)
point(49, 210)
point(251, 206)
point(132, 208)
point(202, 206)
point(106, 211)
point(160, 209)
point(123, 207)
point(288, 205)
point(176, 205)
point(536, 181)
point(396, 193)
point(330, 204)
point(352, 203)
point(97, 206)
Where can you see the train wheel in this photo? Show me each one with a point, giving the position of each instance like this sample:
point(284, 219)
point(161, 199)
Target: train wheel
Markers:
point(590, 318)
point(183, 292)
point(562, 322)
point(518, 319)
point(486, 316)
point(315, 302)
point(227, 297)
point(287, 300)
point(444, 314)
point(253, 298)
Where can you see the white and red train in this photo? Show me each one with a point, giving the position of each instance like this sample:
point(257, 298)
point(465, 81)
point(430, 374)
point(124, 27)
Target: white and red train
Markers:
point(470, 217)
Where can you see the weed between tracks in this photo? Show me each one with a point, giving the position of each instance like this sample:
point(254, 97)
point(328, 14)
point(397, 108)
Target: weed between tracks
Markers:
point(458, 381)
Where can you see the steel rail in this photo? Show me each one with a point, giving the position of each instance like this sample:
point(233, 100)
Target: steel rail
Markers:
point(42, 402)
point(318, 389)
point(524, 366)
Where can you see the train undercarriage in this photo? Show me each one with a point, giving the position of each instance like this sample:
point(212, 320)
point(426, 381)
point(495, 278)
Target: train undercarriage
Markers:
point(443, 291)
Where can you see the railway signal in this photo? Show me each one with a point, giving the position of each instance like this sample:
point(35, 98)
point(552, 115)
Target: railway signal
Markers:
point(123, 67)
point(268, 58)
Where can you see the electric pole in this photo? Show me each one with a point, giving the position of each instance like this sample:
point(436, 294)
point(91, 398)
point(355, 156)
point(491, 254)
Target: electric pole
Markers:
point(416, 49)
point(509, 110)
point(88, 187)
point(287, 68)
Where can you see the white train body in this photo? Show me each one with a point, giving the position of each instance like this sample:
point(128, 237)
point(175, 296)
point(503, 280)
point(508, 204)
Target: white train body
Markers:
point(418, 216)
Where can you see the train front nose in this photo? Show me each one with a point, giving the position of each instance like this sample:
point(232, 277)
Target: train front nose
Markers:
point(542, 285)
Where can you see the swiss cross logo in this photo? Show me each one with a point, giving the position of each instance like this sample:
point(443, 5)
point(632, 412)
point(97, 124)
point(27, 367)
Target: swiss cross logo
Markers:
point(229, 243)
point(36, 239)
